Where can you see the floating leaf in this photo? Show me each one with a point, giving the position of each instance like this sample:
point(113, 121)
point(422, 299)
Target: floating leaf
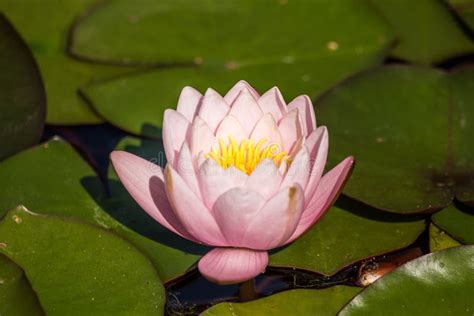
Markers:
point(465, 9)
point(408, 128)
point(16, 295)
point(348, 233)
point(439, 240)
point(458, 221)
point(44, 25)
point(22, 99)
point(53, 179)
point(308, 57)
point(427, 31)
point(79, 269)
point(295, 302)
point(440, 283)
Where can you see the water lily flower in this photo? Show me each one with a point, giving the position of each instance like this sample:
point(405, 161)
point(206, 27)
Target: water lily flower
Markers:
point(244, 175)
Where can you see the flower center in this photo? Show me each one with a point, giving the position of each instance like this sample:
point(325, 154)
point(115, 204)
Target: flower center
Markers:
point(246, 155)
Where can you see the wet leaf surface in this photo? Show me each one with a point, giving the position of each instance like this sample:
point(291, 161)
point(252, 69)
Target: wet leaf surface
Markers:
point(60, 258)
point(440, 283)
point(440, 240)
point(458, 221)
point(16, 295)
point(22, 99)
point(408, 128)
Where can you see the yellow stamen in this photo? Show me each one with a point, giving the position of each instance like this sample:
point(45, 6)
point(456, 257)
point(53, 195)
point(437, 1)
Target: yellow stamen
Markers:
point(246, 155)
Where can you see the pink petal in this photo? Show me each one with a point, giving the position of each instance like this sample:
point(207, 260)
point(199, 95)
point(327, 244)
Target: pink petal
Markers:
point(318, 153)
point(230, 126)
point(290, 129)
point(235, 90)
point(234, 211)
point(232, 265)
point(272, 102)
point(195, 217)
point(144, 181)
point(188, 103)
point(326, 193)
point(306, 111)
point(246, 110)
point(214, 180)
point(202, 137)
point(276, 221)
point(185, 168)
point(213, 109)
point(299, 170)
point(265, 179)
point(267, 128)
point(176, 129)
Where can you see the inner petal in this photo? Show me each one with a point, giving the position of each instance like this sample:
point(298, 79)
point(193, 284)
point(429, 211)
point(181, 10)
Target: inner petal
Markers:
point(247, 154)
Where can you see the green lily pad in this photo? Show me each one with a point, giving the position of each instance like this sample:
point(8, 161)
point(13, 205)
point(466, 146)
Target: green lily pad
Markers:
point(465, 9)
point(439, 283)
point(16, 295)
point(440, 240)
point(427, 31)
point(308, 57)
point(45, 25)
point(295, 302)
point(22, 99)
point(408, 128)
point(53, 179)
point(348, 233)
point(457, 221)
point(80, 269)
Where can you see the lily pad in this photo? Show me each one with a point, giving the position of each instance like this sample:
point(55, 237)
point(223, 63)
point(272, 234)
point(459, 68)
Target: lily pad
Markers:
point(348, 233)
point(16, 295)
point(45, 25)
point(408, 128)
point(439, 283)
point(421, 27)
point(307, 58)
point(22, 99)
point(60, 258)
point(439, 240)
point(465, 9)
point(457, 221)
point(295, 302)
point(53, 179)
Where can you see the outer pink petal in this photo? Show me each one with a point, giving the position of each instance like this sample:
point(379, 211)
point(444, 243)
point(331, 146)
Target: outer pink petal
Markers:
point(144, 181)
point(230, 126)
point(299, 170)
point(214, 181)
point(246, 110)
point(234, 211)
point(265, 179)
point(232, 265)
point(276, 221)
point(319, 153)
point(176, 129)
point(188, 103)
point(186, 170)
point(272, 102)
point(267, 128)
point(195, 217)
point(213, 109)
point(235, 90)
point(202, 137)
point(306, 111)
point(326, 193)
point(290, 129)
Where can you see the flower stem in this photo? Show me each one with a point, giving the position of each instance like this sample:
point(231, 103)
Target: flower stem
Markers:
point(247, 291)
